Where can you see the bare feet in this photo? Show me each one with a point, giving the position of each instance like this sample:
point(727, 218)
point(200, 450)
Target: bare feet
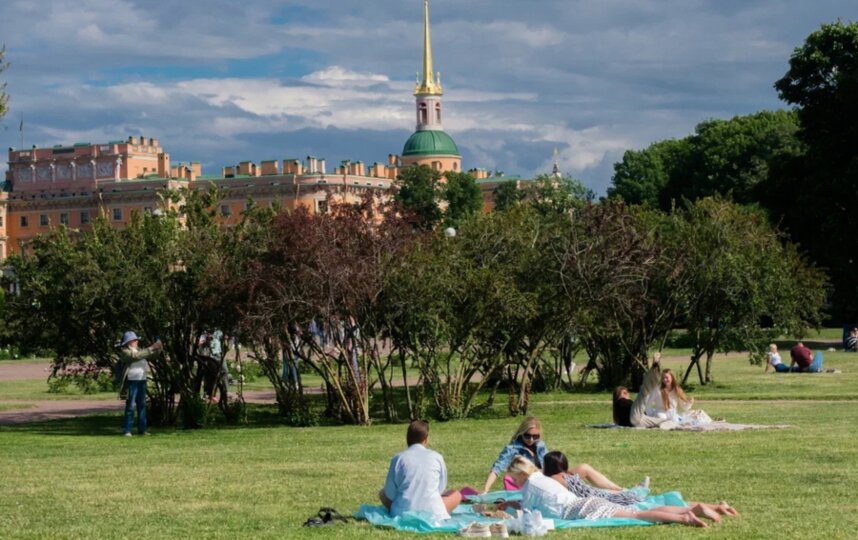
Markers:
point(726, 509)
point(701, 510)
point(694, 521)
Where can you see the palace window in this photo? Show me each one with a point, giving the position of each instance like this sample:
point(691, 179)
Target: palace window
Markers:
point(64, 218)
point(322, 207)
point(25, 221)
point(84, 217)
point(225, 210)
point(438, 113)
point(43, 220)
point(117, 214)
point(423, 116)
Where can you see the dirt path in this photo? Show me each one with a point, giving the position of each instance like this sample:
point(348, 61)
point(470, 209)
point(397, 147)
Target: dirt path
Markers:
point(38, 411)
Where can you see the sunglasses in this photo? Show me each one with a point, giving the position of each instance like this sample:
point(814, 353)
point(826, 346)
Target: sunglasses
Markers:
point(531, 436)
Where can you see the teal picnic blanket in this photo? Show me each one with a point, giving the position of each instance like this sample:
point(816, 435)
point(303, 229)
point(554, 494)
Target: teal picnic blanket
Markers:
point(463, 515)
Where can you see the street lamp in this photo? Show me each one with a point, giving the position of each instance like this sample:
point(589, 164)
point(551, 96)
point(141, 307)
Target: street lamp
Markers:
point(450, 232)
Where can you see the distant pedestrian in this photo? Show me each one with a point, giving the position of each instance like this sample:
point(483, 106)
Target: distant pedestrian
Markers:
point(136, 362)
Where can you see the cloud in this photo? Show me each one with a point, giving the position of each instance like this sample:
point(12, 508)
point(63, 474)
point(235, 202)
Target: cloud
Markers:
point(221, 82)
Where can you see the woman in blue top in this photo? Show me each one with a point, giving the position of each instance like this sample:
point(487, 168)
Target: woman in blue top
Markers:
point(526, 442)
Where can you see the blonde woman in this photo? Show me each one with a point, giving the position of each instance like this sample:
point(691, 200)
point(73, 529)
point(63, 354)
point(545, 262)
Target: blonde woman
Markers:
point(773, 360)
point(527, 443)
point(550, 496)
point(671, 403)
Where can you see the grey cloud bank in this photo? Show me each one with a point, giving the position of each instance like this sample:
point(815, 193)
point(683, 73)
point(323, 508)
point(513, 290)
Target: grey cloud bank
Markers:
point(221, 82)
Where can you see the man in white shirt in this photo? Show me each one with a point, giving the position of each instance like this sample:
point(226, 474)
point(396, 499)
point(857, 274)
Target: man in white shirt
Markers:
point(417, 477)
point(136, 372)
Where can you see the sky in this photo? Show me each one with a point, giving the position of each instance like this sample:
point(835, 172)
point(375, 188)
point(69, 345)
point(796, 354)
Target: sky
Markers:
point(219, 81)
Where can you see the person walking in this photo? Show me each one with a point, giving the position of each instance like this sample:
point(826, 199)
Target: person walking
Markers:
point(136, 362)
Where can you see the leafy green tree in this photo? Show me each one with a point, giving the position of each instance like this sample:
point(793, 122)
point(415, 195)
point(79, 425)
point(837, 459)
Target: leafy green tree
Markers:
point(455, 307)
point(642, 175)
point(463, 196)
point(822, 82)
point(815, 195)
point(735, 272)
point(79, 291)
point(418, 194)
point(620, 288)
point(548, 194)
point(733, 157)
point(506, 196)
point(724, 157)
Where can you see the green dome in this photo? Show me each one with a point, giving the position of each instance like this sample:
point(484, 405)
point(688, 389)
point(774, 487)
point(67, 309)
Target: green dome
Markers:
point(430, 143)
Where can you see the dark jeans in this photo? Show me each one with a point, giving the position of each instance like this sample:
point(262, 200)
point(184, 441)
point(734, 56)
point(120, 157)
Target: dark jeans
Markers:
point(136, 396)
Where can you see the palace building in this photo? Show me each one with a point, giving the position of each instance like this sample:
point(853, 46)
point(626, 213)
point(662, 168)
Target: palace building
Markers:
point(71, 185)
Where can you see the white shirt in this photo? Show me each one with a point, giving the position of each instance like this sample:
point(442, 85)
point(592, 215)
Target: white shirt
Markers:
point(655, 406)
point(774, 358)
point(547, 495)
point(415, 480)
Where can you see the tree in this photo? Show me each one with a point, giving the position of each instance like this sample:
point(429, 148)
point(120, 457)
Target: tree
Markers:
point(730, 158)
point(736, 272)
point(449, 301)
point(418, 195)
point(642, 175)
point(816, 195)
point(330, 269)
point(548, 194)
point(4, 98)
point(506, 196)
point(463, 196)
point(78, 291)
point(620, 288)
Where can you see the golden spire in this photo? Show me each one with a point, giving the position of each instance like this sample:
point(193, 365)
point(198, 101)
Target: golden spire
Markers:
point(428, 85)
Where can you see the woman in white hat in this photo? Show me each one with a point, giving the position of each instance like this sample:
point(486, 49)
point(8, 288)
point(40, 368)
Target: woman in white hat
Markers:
point(136, 372)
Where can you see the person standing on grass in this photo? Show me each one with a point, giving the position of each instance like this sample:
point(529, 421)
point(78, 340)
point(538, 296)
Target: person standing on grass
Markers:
point(136, 361)
point(417, 478)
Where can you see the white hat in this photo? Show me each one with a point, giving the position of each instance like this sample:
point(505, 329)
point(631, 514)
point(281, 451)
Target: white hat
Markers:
point(128, 337)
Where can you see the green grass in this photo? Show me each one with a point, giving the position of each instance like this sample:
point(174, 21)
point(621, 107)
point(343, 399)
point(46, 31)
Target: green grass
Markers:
point(37, 389)
point(80, 479)
point(13, 406)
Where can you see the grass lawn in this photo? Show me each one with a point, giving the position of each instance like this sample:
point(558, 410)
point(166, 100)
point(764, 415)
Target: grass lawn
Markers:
point(37, 390)
point(80, 479)
point(13, 406)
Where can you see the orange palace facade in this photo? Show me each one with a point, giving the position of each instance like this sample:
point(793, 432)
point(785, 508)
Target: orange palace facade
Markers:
point(71, 185)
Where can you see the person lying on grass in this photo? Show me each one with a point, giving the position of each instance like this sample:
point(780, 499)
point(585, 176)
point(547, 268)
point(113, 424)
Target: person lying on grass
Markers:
point(527, 442)
point(550, 496)
point(417, 477)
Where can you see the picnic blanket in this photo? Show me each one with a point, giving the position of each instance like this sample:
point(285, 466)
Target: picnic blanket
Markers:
point(714, 426)
point(464, 515)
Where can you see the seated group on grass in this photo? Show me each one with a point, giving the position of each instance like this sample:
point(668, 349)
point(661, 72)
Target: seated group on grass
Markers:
point(802, 360)
point(661, 402)
point(417, 482)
